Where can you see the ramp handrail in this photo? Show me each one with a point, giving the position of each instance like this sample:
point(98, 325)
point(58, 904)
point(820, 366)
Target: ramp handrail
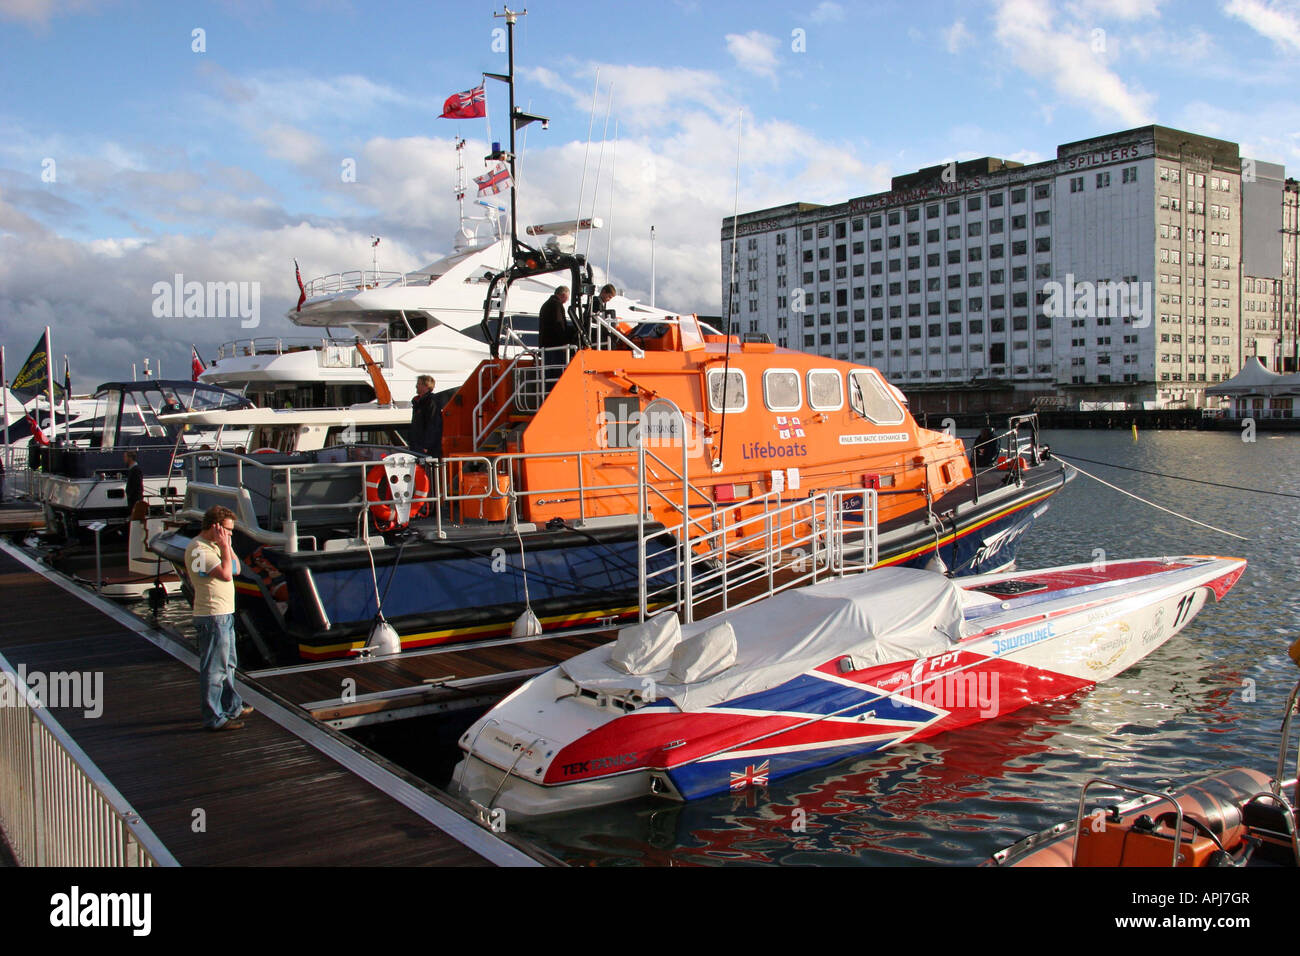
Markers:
point(744, 549)
point(56, 807)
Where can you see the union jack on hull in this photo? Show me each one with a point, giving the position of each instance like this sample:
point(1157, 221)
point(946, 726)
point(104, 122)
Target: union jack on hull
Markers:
point(816, 675)
point(751, 776)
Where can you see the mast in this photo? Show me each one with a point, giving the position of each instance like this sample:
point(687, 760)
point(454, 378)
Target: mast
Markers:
point(518, 119)
point(514, 173)
point(49, 381)
point(7, 461)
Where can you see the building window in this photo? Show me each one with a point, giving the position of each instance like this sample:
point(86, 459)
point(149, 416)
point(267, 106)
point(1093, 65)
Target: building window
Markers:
point(1103, 180)
point(1130, 174)
point(1076, 184)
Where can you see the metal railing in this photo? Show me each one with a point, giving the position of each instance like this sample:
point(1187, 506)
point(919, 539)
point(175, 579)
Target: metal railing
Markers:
point(342, 350)
point(743, 544)
point(353, 280)
point(56, 807)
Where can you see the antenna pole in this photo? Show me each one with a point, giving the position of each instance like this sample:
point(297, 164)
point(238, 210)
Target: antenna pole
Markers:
point(609, 236)
point(461, 184)
point(652, 267)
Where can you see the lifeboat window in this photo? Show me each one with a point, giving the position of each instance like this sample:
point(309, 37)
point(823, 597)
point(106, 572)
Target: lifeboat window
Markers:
point(735, 390)
point(825, 390)
point(871, 400)
point(781, 390)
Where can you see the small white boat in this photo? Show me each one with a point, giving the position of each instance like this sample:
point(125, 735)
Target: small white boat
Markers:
point(812, 676)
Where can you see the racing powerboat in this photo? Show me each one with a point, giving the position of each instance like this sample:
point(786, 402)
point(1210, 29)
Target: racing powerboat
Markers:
point(812, 676)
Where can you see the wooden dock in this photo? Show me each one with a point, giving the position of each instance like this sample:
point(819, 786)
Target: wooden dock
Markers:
point(347, 694)
point(18, 517)
point(285, 790)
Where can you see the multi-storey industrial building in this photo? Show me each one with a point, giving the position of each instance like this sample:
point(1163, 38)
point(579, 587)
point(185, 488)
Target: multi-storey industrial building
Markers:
point(1111, 273)
point(1270, 205)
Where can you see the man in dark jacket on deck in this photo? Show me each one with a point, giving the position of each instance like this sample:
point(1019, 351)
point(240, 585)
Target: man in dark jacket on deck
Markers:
point(426, 419)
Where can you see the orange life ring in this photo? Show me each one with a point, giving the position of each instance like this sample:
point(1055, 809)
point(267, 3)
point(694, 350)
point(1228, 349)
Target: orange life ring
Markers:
point(378, 494)
point(1006, 464)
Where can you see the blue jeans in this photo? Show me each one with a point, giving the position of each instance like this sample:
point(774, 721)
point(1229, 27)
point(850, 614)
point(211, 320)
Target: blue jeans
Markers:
point(219, 701)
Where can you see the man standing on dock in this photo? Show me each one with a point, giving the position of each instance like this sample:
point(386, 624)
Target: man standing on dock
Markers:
point(211, 565)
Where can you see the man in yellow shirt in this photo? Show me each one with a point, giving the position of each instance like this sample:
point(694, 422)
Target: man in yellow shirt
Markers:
point(211, 565)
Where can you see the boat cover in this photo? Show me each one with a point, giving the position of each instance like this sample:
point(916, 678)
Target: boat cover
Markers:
point(703, 655)
point(882, 616)
point(648, 646)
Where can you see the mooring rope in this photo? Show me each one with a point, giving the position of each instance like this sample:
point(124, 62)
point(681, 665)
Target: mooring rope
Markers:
point(1144, 501)
point(1199, 481)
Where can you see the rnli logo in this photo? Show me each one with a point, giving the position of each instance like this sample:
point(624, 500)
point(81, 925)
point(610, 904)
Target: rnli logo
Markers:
point(788, 426)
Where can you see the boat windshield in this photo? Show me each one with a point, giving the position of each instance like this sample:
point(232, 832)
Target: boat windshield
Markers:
point(871, 400)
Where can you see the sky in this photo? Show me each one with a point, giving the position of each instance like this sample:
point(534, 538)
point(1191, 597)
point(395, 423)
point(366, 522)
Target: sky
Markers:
point(220, 141)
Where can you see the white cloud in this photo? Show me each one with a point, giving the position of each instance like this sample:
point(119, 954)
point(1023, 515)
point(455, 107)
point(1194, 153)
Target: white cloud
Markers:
point(827, 12)
point(156, 211)
point(1278, 21)
point(1268, 131)
point(1190, 51)
point(1091, 10)
point(39, 12)
point(957, 36)
point(1030, 30)
point(754, 52)
point(644, 96)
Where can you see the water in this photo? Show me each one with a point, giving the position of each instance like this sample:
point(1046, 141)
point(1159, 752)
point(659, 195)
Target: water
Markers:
point(959, 797)
point(1180, 715)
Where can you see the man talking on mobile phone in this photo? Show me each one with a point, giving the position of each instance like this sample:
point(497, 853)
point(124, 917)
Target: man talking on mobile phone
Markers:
point(211, 565)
